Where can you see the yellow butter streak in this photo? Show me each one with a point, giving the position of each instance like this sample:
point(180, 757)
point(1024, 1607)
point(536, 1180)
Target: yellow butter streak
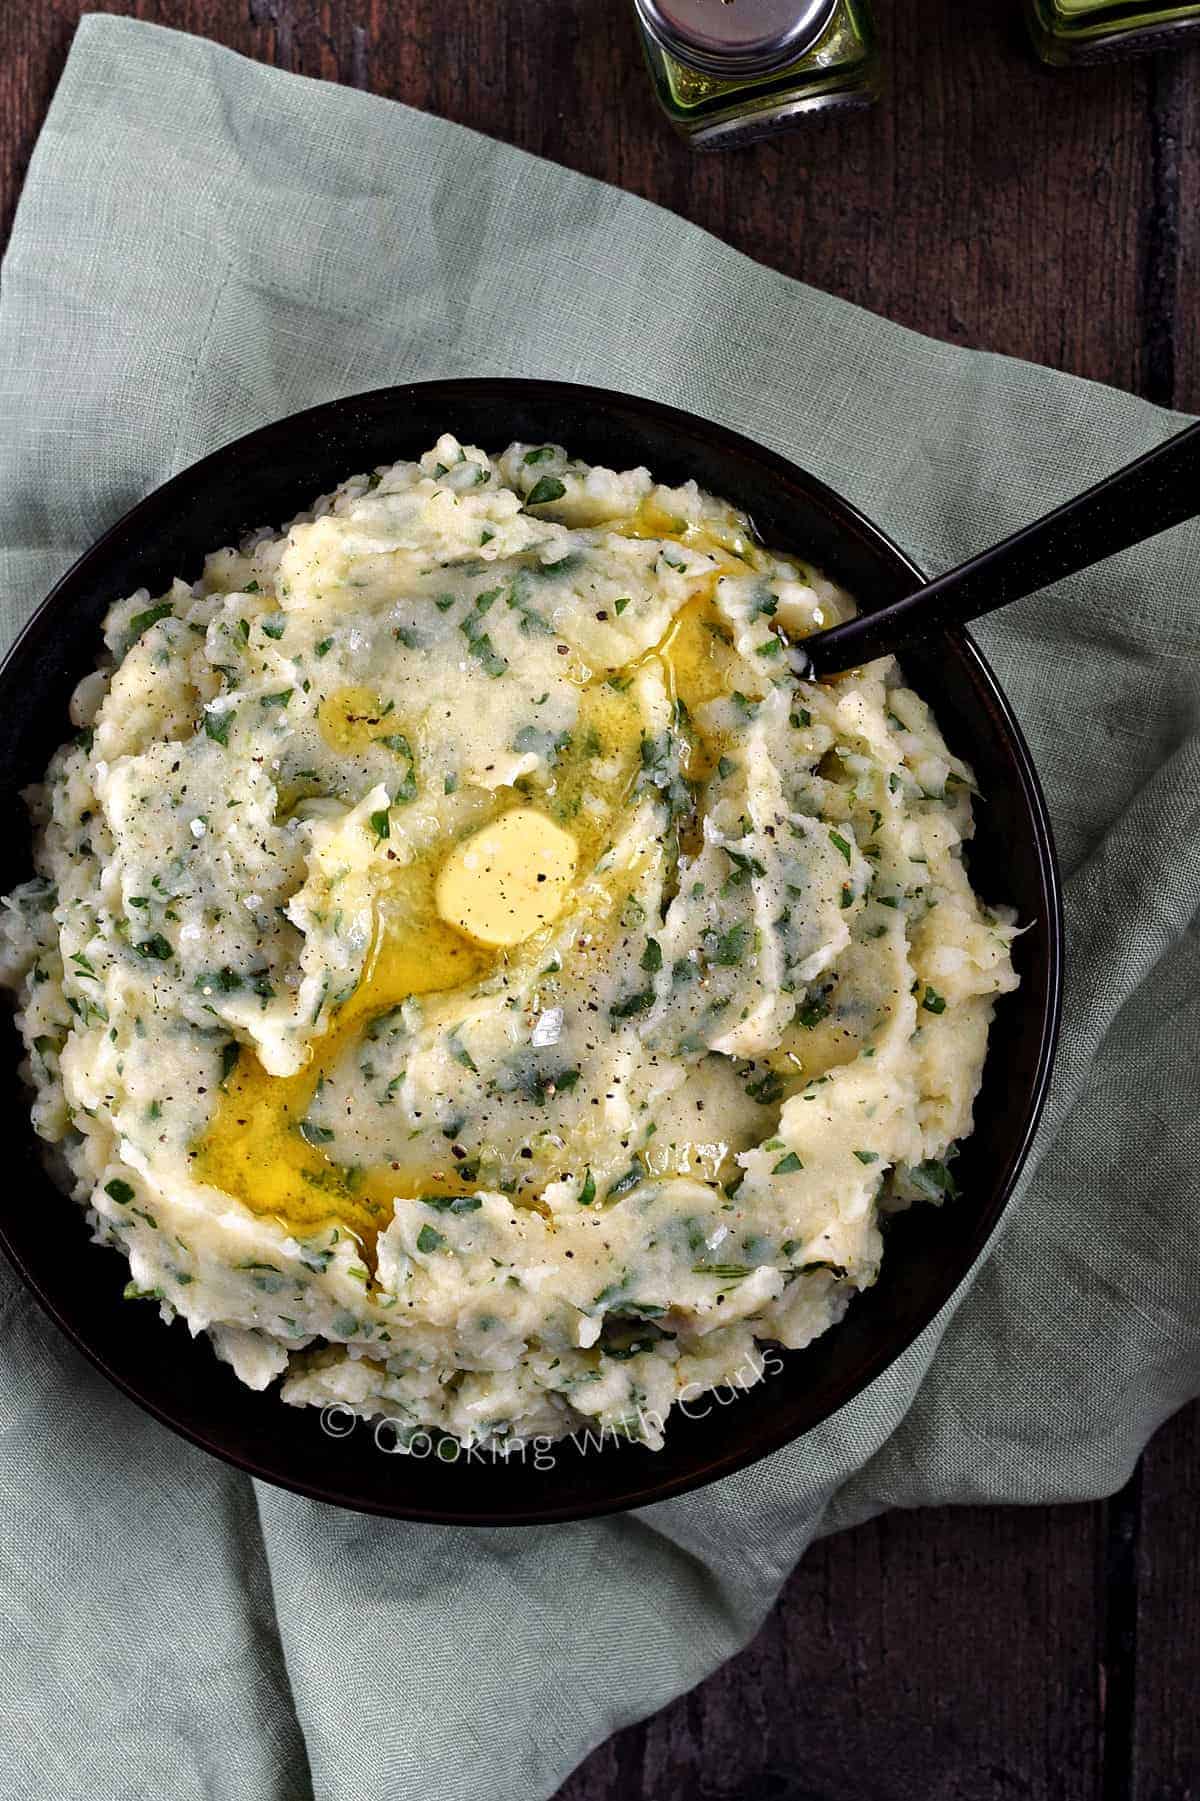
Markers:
point(254, 1148)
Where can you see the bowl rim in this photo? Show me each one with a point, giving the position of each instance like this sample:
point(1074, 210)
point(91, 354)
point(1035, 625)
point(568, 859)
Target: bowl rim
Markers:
point(847, 517)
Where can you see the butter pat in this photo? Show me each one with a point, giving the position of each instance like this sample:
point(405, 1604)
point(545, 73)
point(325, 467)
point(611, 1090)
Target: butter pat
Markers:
point(508, 879)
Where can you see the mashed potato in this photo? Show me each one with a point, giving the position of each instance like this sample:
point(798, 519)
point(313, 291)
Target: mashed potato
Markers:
point(473, 977)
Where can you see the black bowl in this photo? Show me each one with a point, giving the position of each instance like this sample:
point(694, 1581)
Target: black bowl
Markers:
point(264, 479)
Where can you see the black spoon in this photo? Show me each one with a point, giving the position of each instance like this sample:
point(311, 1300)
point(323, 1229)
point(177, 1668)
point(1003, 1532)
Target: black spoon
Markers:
point(1159, 490)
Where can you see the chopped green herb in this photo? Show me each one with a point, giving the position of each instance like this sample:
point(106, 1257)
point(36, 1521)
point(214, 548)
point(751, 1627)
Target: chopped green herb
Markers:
point(766, 1089)
point(812, 1013)
point(538, 1086)
point(662, 768)
point(482, 648)
point(787, 1166)
point(744, 864)
point(120, 1191)
point(836, 1270)
point(731, 945)
point(933, 1180)
point(406, 789)
point(226, 980)
point(632, 1004)
point(429, 1241)
point(141, 622)
point(542, 743)
point(625, 1183)
point(543, 492)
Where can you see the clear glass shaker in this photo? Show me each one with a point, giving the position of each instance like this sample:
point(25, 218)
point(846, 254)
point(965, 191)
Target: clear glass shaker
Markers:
point(1071, 31)
point(729, 71)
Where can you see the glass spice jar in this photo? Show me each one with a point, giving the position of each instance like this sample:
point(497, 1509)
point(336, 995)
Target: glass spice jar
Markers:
point(1082, 31)
point(729, 71)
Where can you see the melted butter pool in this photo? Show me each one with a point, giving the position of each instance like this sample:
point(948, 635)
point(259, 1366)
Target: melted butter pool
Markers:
point(254, 1148)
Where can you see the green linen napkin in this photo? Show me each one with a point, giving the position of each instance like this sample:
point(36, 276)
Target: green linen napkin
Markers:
point(204, 245)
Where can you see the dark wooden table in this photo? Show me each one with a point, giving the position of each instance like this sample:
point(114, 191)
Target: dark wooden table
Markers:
point(956, 1655)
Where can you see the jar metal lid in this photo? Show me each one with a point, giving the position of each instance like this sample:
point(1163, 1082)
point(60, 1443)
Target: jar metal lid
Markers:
point(742, 37)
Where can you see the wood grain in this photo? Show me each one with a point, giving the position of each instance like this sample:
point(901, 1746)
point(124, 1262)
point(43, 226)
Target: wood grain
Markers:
point(985, 200)
point(1180, 129)
point(957, 1655)
point(1165, 1748)
point(931, 1654)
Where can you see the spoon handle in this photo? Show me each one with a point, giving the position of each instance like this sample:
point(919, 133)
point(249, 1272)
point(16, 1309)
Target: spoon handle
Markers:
point(1160, 489)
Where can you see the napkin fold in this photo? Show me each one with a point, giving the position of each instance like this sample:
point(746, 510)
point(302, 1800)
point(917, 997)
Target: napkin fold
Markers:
point(205, 244)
